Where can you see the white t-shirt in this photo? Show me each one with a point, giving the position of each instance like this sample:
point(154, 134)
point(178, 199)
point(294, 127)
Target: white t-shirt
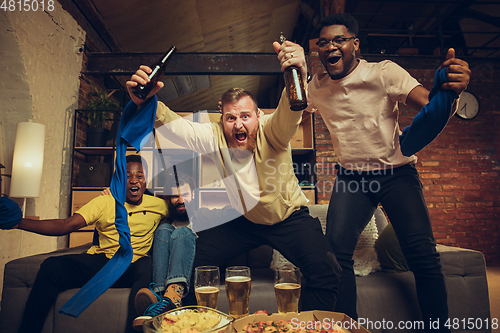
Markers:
point(361, 113)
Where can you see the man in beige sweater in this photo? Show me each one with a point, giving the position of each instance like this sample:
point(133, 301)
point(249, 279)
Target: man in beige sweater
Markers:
point(253, 156)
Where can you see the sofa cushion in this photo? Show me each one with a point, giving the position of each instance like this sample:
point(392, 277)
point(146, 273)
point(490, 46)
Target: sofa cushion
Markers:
point(365, 257)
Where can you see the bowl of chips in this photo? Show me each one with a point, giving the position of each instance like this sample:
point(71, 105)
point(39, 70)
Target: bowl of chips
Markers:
point(189, 319)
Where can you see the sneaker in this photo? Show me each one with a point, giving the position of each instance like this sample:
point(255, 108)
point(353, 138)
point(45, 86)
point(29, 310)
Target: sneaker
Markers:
point(153, 310)
point(145, 297)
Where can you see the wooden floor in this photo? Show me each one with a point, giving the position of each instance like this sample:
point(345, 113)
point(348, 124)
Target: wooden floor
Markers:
point(493, 274)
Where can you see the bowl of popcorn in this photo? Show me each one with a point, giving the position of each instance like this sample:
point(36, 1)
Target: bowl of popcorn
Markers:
point(189, 319)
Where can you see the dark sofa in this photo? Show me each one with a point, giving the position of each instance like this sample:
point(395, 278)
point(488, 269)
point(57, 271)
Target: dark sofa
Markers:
point(388, 298)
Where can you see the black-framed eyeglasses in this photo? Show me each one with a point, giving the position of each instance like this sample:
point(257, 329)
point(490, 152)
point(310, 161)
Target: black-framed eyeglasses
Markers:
point(337, 42)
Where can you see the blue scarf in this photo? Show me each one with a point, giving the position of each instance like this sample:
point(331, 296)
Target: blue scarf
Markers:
point(134, 130)
point(10, 213)
point(431, 120)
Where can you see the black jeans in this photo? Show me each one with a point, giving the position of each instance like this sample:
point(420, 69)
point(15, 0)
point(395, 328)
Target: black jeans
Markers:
point(65, 272)
point(354, 199)
point(299, 238)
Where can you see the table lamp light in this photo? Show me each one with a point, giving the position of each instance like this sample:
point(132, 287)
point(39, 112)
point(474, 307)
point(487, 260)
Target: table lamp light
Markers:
point(28, 161)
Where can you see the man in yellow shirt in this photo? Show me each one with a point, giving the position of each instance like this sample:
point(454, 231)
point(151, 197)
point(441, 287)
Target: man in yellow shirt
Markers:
point(61, 273)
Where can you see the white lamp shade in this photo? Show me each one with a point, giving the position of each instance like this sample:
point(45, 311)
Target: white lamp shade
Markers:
point(28, 161)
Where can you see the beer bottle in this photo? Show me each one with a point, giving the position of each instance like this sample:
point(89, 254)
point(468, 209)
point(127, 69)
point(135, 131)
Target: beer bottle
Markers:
point(294, 86)
point(142, 91)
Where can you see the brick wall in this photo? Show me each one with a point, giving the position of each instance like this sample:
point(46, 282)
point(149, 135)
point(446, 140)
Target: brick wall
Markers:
point(459, 170)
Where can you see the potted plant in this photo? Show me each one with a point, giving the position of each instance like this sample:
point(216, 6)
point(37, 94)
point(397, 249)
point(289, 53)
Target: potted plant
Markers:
point(99, 105)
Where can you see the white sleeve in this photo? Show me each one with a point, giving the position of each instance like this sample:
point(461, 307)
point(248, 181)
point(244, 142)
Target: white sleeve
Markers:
point(185, 133)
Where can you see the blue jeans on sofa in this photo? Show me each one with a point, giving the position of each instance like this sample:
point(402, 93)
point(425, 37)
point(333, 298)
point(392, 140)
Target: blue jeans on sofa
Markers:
point(173, 255)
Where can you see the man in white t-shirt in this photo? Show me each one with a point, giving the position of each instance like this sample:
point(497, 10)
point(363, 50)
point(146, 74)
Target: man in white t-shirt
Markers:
point(358, 101)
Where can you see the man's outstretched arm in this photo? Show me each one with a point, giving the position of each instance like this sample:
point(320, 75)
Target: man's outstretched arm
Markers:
point(53, 227)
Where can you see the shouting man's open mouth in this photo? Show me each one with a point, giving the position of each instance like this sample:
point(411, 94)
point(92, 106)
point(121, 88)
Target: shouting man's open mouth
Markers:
point(134, 190)
point(334, 59)
point(241, 137)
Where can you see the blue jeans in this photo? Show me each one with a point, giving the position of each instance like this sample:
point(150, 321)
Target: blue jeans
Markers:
point(173, 255)
point(354, 199)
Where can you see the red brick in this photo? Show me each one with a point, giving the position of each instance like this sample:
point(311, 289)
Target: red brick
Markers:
point(430, 199)
point(447, 241)
point(449, 187)
point(430, 164)
point(450, 175)
point(430, 175)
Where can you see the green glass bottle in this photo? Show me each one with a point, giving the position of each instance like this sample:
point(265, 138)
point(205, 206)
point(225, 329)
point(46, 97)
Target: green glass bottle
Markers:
point(142, 91)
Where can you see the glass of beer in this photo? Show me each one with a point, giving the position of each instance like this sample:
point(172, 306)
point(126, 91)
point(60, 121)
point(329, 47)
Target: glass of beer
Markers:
point(207, 285)
point(238, 285)
point(287, 288)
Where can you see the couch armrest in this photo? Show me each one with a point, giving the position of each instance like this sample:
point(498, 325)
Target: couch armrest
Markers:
point(458, 261)
point(396, 300)
point(466, 282)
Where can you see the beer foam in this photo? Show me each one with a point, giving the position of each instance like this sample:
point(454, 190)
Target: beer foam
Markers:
point(238, 279)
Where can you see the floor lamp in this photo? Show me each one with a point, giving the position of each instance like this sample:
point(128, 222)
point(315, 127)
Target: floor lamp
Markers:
point(27, 162)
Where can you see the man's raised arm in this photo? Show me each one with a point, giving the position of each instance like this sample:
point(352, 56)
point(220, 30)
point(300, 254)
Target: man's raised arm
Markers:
point(185, 133)
point(285, 122)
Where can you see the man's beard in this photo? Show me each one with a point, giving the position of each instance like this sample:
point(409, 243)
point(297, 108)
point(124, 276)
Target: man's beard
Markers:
point(246, 149)
point(179, 216)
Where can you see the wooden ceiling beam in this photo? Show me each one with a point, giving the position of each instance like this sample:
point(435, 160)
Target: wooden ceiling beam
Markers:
point(332, 6)
point(125, 64)
point(186, 63)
